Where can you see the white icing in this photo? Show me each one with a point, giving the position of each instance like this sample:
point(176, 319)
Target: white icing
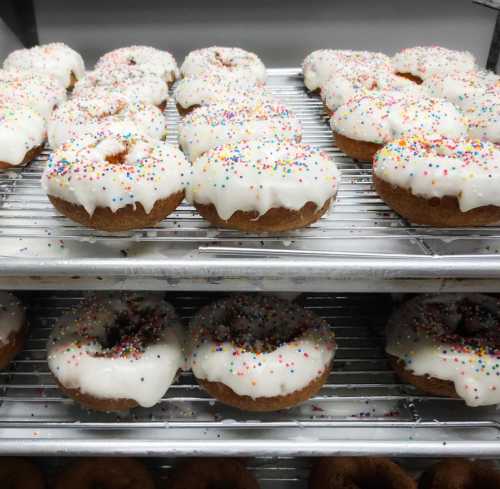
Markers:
point(436, 167)
point(225, 60)
point(484, 116)
point(380, 117)
point(157, 62)
point(212, 88)
point(260, 175)
point(81, 115)
point(21, 129)
point(320, 65)
point(40, 92)
point(230, 122)
point(144, 376)
point(78, 171)
point(12, 316)
point(425, 61)
point(474, 374)
point(133, 82)
point(55, 58)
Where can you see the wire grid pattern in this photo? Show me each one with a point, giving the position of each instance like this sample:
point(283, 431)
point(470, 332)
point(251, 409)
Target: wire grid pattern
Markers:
point(358, 218)
point(362, 397)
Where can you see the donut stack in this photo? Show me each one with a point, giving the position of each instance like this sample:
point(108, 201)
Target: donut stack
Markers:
point(427, 119)
point(250, 170)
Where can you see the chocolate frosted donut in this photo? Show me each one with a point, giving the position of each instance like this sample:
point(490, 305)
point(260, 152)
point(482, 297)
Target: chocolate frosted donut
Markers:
point(448, 345)
point(18, 473)
point(212, 473)
point(460, 474)
point(105, 473)
point(260, 353)
point(358, 473)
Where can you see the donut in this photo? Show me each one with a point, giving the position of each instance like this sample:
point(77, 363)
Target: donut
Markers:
point(134, 82)
point(40, 92)
point(22, 134)
point(448, 345)
point(367, 122)
point(55, 59)
point(224, 60)
point(13, 328)
point(440, 181)
point(263, 185)
point(320, 65)
point(420, 62)
point(192, 92)
point(156, 61)
point(105, 473)
point(358, 473)
point(234, 121)
point(260, 353)
point(80, 115)
point(115, 179)
point(460, 474)
point(116, 351)
point(211, 473)
point(19, 473)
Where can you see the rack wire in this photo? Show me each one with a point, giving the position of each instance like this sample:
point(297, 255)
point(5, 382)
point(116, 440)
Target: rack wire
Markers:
point(362, 408)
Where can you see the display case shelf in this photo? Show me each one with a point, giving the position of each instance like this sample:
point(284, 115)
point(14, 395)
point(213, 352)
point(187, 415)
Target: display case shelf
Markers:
point(362, 408)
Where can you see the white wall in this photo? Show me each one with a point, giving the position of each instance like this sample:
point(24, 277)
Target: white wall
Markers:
point(282, 32)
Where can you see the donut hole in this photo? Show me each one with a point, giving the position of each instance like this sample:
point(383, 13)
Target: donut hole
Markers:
point(131, 62)
point(117, 158)
point(224, 62)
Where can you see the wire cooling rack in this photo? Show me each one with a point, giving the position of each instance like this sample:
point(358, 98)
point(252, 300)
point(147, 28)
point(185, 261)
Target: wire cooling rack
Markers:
point(362, 408)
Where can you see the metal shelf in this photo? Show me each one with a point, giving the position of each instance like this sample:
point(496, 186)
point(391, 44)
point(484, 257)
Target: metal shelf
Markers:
point(360, 246)
point(362, 409)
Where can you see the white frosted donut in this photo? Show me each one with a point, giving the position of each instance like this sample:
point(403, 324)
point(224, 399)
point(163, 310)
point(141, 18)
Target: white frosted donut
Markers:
point(260, 346)
point(380, 117)
point(80, 171)
point(156, 61)
point(225, 60)
point(55, 59)
point(260, 175)
point(12, 316)
point(213, 88)
point(40, 92)
point(79, 115)
point(21, 130)
point(119, 346)
point(425, 61)
point(133, 82)
point(437, 167)
point(320, 65)
point(452, 337)
point(214, 125)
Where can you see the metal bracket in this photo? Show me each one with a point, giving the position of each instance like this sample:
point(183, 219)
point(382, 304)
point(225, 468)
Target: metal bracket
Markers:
point(19, 15)
point(494, 52)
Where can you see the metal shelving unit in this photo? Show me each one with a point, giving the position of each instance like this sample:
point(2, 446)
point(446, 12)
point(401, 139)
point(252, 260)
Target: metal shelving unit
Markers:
point(361, 245)
point(362, 409)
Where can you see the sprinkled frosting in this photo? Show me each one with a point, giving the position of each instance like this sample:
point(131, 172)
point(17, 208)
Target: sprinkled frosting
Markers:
point(133, 82)
point(81, 172)
point(451, 337)
point(80, 115)
point(40, 92)
point(157, 62)
point(425, 61)
point(437, 167)
point(55, 58)
point(259, 346)
point(118, 347)
point(225, 60)
point(322, 64)
point(230, 122)
point(21, 129)
point(212, 88)
point(260, 175)
point(12, 316)
point(379, 117)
